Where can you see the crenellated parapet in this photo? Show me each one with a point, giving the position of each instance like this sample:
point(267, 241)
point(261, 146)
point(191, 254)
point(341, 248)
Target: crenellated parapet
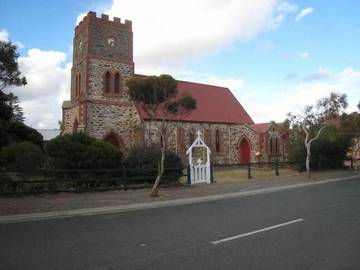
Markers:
point(103, 19)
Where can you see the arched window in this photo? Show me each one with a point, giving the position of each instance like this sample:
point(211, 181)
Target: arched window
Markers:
point(117, 83)
point(107, 79)
point(191, 136)
point(274, 146)
point(217, 141)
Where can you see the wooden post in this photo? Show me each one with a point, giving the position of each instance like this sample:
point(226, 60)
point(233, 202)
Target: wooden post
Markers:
point(277, 167)
point(249, 170)
point(124, 178)
point(211, 173)
point(188, 174)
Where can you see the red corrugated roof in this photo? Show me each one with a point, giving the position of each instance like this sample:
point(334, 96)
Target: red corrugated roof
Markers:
point(213, 104)
point(261, 127)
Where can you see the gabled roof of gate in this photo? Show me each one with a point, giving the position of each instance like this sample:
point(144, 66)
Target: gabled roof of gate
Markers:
point(213, 104)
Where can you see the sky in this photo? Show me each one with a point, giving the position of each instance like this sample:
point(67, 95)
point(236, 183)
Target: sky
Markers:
point(276, 56)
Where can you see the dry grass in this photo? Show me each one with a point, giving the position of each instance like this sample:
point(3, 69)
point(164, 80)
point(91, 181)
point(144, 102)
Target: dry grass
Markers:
point(228, 175)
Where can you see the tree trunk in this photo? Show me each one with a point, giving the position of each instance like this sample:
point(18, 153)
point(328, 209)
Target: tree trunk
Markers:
point(154, 191)
point(308, 156)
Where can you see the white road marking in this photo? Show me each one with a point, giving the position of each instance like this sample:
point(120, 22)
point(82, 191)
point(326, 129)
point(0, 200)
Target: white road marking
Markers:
point(254, 232)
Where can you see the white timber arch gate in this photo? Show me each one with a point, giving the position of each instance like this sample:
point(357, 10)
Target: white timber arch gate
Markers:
point(200, 171)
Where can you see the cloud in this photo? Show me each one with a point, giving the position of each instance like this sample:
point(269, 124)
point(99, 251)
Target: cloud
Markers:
point(296, 55)
point(48, 84)
point(322, 74)
point(4, 35)
point(264, 46)
point(308, 91)
point(175, 31)
point(299, 93)
point(281, 11)
point(303, 13)
point(291, 76)
point(80, 17)
point(303, 55)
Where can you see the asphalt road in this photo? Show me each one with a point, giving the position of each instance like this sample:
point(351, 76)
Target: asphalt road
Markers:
point(315, 227)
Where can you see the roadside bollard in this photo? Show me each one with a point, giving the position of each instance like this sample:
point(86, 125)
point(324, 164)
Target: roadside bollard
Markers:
point(277, 167)
point(249, 170)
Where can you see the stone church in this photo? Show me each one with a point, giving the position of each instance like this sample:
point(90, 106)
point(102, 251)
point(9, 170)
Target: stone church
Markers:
point(100, 105)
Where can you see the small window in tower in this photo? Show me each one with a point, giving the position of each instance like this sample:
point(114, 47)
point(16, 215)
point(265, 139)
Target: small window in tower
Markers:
point(107, 82)
point(111, 41)
point(217, 141)
point(117, 83)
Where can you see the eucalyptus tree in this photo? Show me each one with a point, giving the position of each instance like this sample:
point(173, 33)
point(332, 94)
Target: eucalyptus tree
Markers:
point(158, 97)
point(315, 119)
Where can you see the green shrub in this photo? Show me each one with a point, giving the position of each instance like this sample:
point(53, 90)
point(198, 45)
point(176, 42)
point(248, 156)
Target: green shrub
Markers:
point(144, 160)
point(23, 156)
point(80, 151)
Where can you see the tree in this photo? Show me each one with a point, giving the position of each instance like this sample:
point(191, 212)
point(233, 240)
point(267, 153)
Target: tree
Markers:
point(158, 98)
point(351, 125)
point(9, 69)
point(10, 76)
point(315, 119)
point(10, 103)
point(12, 127)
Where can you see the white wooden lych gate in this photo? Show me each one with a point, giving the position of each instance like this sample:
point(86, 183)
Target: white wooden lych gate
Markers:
point(199, 170)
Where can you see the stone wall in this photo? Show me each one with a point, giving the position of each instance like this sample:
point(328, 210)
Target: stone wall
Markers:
point(121, 119)
point(97, 70)
point(230, 135)
point(264, 144)
point(121, 46)
point(237, 133)
point(69, 116)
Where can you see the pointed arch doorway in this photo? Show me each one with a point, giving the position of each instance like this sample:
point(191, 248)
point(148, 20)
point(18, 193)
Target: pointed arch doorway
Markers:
point(115, 140)
point(244, 151)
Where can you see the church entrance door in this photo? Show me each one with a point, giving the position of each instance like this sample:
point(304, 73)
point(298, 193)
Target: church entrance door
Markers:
point(115, 140)
point(244, 151)
point(112, 140)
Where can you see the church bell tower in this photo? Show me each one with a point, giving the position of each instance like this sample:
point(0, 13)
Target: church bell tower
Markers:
point(102, 61)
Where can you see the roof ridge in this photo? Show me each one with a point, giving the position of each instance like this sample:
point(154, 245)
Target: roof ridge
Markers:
point(201, 83)
point(205, 84)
